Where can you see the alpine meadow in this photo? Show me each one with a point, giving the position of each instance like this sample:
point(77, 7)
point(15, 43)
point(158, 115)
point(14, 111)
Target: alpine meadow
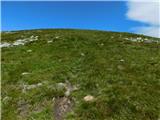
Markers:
point(56, 74)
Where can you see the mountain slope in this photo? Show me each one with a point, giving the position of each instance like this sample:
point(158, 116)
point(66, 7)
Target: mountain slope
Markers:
point(79, 75)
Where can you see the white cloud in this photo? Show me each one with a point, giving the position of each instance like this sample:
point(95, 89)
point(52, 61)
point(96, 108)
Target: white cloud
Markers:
point(153, 31)
point(145, 12)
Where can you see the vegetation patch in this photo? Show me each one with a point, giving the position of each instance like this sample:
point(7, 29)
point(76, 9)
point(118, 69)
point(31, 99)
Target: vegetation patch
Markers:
point(80, 75)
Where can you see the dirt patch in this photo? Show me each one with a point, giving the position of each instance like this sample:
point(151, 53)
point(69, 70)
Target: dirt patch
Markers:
point(62, 105)
point(23, 109)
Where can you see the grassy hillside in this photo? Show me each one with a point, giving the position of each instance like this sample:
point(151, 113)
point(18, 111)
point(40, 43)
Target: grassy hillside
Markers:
point(49, 76)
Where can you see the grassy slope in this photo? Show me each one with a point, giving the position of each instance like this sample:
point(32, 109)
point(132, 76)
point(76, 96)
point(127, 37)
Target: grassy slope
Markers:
point(124, 90)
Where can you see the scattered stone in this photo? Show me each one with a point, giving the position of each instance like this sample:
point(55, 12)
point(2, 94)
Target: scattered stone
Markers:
point(39, 84)
point(148, 41)
point(112, 37)
point(61, 85)
point(75, 88)
point(82, 54)
point(29, 87)
point(68, 87)
point(32, 38)
point(145, 39)
point(126, 38)
point(67, 93)
point(102, 44)
point(49, 41)
point(5, 44)
point(53, 99)
point(20, 42)
point(25, 73)
point(121, 60)
point(139, 39)
point(97, 85)
point(89, 98)
point(60, 60)
point(57, 37)
point(29, 50)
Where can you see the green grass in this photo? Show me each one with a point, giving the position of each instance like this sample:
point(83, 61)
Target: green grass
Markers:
point(124, 90)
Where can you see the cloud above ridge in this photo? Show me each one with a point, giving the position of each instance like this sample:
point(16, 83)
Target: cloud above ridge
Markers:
point(145, 12)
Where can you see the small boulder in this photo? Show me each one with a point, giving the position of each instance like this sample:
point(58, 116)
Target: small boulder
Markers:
point(82, 54)
point(29, 50)
point(121, 60)
point(89, 98)
point(61, 86)
point(25, 73)
point(49, 41)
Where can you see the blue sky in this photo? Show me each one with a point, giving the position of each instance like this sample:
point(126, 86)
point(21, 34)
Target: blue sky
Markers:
point(108, 15)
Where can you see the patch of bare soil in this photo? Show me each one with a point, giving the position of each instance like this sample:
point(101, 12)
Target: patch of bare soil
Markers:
point(62, 106)
point(23, 109)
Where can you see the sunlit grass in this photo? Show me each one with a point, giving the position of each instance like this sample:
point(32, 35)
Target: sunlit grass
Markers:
point(123, 76)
